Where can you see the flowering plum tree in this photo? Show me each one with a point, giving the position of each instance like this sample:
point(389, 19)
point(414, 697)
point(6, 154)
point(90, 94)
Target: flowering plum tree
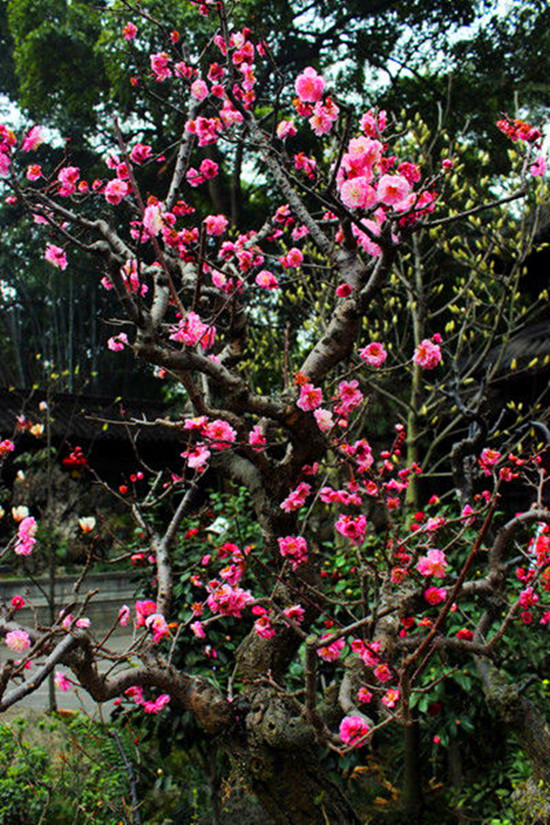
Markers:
point(324, 485)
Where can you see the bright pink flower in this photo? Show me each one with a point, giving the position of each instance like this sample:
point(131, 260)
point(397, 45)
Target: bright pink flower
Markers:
point(198, 630)
point(293, 258)
point(352, 528)
point(286, 128)
point(17, 602)
point(427, 354)
point(129, 31)
point(293, 548)
point(352, 730)
point(374, 354)
point(56, 256)
point(310, 398)
point(309, 86)
point(331, 651)
point(140, 153)
point(295, 613)
point(296, 498)
point(433, 564)
point(143, 610)
point(18, 640)
point(117, 342)
point(199, 89)
point(324, 117)
point(382, 672)
point(256, 437)
point(488, 459)
point(538, 168)
point(227, 600)
point(160, 67)
point(191, 331)
point(116, 190)
point(157, 623)
point(6, 446)
point(364, 695)
point(435, 595)
point(220, 433)
point(34, 171)
point(215, 224)
point(197, 457)
point(263, 627)
point(156, 705)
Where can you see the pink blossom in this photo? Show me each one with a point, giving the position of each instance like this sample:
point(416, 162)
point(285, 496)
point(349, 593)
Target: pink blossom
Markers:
point(392, 190)
point(83, 622)
point(220, 433)
point(309, 86)
point(293, 259)
point(382, 672)
point(266, 280)
point(191, 331)
point(374, 354)
point(391, 697)
point(144, 609)
point(349, 397)
point(538, 168)
point(296, 498)
point(157, 623)
point(198, 630)
point(263, 627)
point(372, 123)
point(56, 256)
point(310, 398)
point(197, 457)
point(156, 705)
point(352, 730)
point(331, 650)
point(199, 89)
point(140, 153)
point(324, 117)
point(160, 67)
point(18, 640)
point(116, 190)
point(129, 31)
point(215, 224)
point(152, 219)
point(357, 193)
point(123, 615)
point(17, 602)
point(433, 564)
point(488, 459)
point(295, 613)
point(6, 446)
point(25, 537)
point(286, 128)
point(117, 342)
point(294, 548)
point(435, 595)
point(352, 528)
point(227, 600)
point(256, 437)
point(364, 695)
point(33, 139)
point(427, 354)
point(324, 419)
point(34, 171)
point(62, 682)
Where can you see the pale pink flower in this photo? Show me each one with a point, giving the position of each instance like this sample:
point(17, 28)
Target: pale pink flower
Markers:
point(433, 564)
point(83, 622)
point(115, 191)
point(123, 615)
point(310, 398)
point(294, 548)
point(33, 139)
point(26, 537)
point(324, 117)
point(198, 630)
point(427, 354)
point(374, 354)
point(357, 193)
point(538, 168)
point(199, 89)
point(197, 457)
point(393, 190)
point(286, 128)
point(220, 433)
point(18, 640)
point(87, 524)
point(324, 419)
point(56, 256)
point(62, 682)
point(352, 730)
point(309, 86)
point(152, 219)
